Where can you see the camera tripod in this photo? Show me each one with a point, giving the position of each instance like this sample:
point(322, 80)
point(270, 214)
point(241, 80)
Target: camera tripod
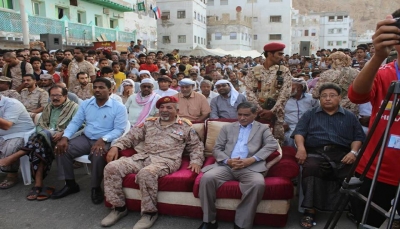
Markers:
point(351, 184)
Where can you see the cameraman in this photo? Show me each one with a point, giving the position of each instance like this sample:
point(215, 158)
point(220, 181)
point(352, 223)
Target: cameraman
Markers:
point(371, 85)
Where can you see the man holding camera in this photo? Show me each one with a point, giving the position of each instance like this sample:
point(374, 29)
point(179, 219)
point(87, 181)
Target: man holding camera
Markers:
point(269, 86)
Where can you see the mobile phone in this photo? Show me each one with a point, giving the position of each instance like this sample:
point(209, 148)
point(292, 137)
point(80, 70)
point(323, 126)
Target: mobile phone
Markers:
point(397, 23)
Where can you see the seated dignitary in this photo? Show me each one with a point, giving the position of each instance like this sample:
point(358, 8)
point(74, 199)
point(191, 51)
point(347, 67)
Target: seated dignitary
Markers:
point(5, 88)
point(34, 98)
point(299, 102)
point(205, 88)
point(49, 130)
point(328, 138)
point(14, 123)
point(105, 121)
point(225, 105)
point(164, 139)
point(240, 152)
point(143, 104)
point(164, 84)
point(192, 105)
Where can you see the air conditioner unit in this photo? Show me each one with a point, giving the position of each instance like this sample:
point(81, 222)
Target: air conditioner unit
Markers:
point(164, 17)
point(106, 11)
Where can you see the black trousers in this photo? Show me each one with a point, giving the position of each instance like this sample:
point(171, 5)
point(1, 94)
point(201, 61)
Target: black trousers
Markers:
point(383, 195)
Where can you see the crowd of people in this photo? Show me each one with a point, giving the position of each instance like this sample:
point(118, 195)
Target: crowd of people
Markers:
point(81, 102)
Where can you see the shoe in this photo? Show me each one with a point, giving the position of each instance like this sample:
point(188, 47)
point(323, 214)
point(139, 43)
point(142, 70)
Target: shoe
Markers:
point(65, 191)
point(236, 226)
point(209, 225)
point(146, 221)
point(97, 196)
point(113, 217)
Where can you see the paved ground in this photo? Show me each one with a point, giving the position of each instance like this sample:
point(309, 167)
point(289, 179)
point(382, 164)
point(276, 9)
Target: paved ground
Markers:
point(77, 211)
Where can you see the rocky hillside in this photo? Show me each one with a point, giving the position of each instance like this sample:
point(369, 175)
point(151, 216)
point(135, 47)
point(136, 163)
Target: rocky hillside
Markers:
point(365, 13)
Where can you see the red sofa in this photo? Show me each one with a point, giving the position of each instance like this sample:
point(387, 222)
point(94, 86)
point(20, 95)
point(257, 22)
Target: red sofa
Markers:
point(178, 192)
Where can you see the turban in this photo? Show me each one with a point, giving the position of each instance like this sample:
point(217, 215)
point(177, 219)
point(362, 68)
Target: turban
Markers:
point(128, 82)
point(186, 82)
point(300, 81)
point(46, 77)
point(147, 80)
point(234, 93)
point(274, 46)
point(144, 72)
point(166, 99)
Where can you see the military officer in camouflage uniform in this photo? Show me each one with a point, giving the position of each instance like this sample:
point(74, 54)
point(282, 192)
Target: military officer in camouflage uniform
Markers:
point(269, 86)
point(164, 138)
point(5, 85)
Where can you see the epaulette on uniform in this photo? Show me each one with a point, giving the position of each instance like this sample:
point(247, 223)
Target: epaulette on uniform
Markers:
point(151, 119)
point(187, 121)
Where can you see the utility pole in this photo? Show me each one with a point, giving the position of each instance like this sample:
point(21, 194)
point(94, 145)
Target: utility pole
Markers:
point(25, 26)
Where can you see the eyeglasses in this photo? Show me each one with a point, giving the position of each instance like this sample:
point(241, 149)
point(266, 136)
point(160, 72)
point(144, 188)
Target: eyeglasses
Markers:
point(56, 96)
point(325, 96)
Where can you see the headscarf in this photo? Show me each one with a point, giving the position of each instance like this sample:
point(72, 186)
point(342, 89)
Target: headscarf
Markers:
point(186, 82)
point(340, 60)
point(234, 93)
point(148, 103)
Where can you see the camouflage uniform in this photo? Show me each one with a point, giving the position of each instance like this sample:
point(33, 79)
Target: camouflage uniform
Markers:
point(261, 84)
point(11, 94)
point(84, 93)
point(74, 68)
point(35, 99)
point(343, 77)
point(162, 155)
point(16, 73)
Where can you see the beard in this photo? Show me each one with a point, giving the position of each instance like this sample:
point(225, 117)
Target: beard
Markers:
point(293, 93)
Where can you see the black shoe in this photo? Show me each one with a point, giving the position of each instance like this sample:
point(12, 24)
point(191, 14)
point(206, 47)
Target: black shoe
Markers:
point(65, 191)
point(209, 225)
point(236, 226)
point(97, 196)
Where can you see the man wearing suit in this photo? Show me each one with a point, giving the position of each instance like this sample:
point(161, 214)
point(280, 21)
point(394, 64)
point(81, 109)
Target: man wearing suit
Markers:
point(240, 152)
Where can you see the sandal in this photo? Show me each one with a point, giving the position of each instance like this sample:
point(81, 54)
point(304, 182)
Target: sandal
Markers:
point(9, 182)
point(33, 193)
point(45, 193)
point(307, 221)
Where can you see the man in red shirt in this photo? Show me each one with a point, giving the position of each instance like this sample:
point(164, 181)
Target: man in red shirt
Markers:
point(149, 65)
point(371, 85)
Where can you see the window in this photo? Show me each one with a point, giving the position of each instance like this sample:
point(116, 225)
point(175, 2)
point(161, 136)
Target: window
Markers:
point(8, 4)
point(331, 18)
point(255, 37)
point(218, 36)
point(224, 2)
point(339, 30)
point(61, 12)
point(195, 38)
point(194, 14)
point(166, 40)
point(313, 33)
point(81, 17)
point(98, 20)
point(339, 18)
point(330, 31)
point(338, 42)
point(210, 3)
point(73, 2)
point(306, 33)
point(36, 8)
point(275, 37)
point(293, 21)
point(165, 15)
point(181, 14)
point(181, 38)
point(113, 23)
point(330, 43)
point(233, 36)
point(202, 41)
point(344, 42)
point(255, 19)
point(275, 19)
point(198, 40)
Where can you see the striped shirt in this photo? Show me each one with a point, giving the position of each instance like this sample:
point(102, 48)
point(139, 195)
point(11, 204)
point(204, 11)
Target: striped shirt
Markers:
point(319, 128)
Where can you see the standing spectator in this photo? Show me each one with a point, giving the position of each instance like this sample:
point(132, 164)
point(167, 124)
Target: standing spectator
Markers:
point(79, 64)
point(118, 75)
point(69, 54)
point(64, 71)
point(141, 46)
point(130, 47)
point(50, 66)
point(15, 69)
point(360, 58)
point(36, 63)
point(149, 65)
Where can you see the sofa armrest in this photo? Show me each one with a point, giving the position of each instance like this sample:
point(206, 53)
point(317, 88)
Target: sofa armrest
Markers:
point(287, 166)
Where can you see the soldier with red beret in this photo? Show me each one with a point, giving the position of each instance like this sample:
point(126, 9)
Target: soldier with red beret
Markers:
point(269, 86)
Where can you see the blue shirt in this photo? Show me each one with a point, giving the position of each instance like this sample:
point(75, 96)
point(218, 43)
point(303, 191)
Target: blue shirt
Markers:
point(241, 149)
point(108, 121)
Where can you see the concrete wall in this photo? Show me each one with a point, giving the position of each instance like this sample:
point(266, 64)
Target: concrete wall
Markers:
point(188, 26)
point(335, 33)
point(301, 24)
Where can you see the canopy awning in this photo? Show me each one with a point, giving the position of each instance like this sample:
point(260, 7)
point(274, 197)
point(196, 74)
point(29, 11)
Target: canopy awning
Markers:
point(112, 5)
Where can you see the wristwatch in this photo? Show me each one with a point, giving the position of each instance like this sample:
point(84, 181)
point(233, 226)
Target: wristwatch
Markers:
point(354, 152)
point(104, 139)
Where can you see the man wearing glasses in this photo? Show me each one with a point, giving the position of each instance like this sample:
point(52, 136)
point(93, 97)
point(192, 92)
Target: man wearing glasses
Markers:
point(328, 138)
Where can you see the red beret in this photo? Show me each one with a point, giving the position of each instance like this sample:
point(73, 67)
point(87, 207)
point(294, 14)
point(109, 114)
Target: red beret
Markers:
point(166, 99)
point(274, 46)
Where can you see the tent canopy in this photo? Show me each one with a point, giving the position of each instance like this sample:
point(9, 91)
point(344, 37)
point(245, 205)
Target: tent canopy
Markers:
point(201, 51)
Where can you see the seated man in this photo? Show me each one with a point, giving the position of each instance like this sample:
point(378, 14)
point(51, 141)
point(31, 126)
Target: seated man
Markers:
point(46, 81)
point(105, 121)
point(143, 104)
point(34, 98)
point(14, 123)
point(71, 96)
point(5, 88)
point(164, 84)
point(240, 152)
point(225, 105)
point(49, 130)
point(85, 89)
point(162, 155)
point(205, 88)
point(299, 102)
point(192, 105)
point(325, 135)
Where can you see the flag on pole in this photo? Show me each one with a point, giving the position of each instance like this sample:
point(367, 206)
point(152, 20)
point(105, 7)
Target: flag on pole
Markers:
point(141, 6)
point(157, 12)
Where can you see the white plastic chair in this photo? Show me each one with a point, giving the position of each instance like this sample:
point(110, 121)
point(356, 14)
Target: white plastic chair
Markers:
point(24, 164)
point(85, 158)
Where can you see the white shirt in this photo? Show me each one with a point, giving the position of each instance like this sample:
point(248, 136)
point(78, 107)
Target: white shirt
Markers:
point(134, 108)
point(211, 96)
point(169, 92)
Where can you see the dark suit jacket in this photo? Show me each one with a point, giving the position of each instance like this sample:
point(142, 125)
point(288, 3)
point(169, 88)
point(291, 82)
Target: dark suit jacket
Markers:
point(261, 143)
